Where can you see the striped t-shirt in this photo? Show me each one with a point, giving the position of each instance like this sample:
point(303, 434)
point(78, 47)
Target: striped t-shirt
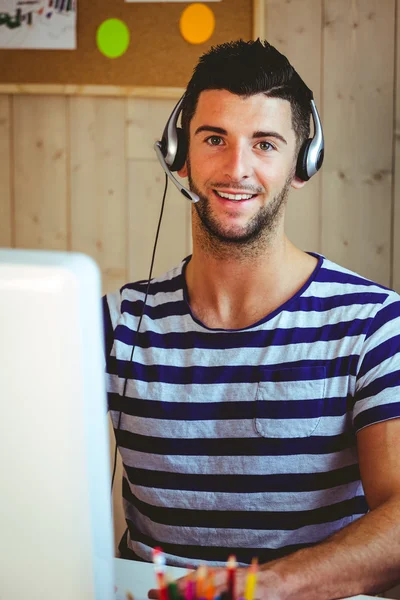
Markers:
point(244, 441)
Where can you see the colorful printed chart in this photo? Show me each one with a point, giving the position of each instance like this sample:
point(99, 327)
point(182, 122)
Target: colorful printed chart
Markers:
point(40, 24)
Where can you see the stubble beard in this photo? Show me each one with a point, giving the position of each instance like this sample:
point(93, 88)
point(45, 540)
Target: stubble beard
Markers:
point(250, 241)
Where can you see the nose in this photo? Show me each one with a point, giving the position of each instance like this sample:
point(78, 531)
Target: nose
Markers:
point(238, 163)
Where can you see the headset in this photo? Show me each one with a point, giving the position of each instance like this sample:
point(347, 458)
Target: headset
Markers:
point(172, 149)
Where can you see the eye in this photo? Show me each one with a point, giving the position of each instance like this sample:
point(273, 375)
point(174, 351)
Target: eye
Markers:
point(265, 146)
point(214, 140)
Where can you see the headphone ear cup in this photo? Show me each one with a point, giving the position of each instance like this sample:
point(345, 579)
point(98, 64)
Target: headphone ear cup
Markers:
point(301, 167)
point(181, 150)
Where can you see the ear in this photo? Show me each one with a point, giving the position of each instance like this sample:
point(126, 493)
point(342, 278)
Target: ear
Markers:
point(297, 183)
point(183, 172)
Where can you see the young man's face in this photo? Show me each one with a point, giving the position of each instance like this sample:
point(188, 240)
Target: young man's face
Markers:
point(241, 161)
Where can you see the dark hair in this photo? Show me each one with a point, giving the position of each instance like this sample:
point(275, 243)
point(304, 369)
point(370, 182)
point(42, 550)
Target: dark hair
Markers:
point(245, 69)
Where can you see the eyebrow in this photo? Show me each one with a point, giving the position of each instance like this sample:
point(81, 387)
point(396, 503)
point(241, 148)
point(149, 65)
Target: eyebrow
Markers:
point(256, 134)
point(275, 134)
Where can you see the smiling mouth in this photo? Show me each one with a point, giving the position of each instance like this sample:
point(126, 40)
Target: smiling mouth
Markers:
point(235, 197)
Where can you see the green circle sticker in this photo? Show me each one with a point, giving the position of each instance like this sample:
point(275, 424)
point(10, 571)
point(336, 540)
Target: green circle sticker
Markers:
point(112, 38)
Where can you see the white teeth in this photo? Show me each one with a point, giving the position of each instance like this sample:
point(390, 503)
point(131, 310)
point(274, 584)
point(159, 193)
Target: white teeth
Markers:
point(235, 196)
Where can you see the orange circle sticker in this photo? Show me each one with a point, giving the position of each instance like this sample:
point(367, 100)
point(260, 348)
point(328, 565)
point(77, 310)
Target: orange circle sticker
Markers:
point(197, 23)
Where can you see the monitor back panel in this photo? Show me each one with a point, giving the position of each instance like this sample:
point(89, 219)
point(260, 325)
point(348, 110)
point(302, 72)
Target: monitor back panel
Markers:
point(55, 519)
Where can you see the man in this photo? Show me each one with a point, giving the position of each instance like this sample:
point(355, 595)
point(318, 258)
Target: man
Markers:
point(258, 412)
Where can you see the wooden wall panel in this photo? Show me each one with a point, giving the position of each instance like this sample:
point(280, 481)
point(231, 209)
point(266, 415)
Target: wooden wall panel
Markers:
point(146, 120)
point(40, 172)
point(99, 186)
point(294, 28)
point(396, 188)
point(358, 124)
point(145, 124)
point(5, 174)
point(146, 186)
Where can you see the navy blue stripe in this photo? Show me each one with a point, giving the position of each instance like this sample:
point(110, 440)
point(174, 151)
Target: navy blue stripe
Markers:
point(391, 380)
point(376, 414)
point(377, 355)
point(239, 484)
point(238, 339)
point(160, 311)
point(238, 410)
point(246, 519)
point(213, 553)
point(307, 304)
point(385, 315)
point(167, 286)
point(127, 553)
point(259, 446)
point(310, 370)
point(107, 327)
point(327, 275)
point(316, 304)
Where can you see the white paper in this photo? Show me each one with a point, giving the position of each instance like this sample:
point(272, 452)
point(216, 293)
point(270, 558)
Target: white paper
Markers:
point(137, 578)
point(40, 24)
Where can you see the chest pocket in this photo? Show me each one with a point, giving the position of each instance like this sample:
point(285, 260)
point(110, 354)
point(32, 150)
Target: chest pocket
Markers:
point(289, 402)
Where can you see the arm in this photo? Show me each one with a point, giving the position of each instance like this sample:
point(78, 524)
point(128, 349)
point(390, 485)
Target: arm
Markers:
point(363, 557)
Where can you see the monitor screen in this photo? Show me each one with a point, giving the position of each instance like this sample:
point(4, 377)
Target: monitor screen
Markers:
point(56, 537)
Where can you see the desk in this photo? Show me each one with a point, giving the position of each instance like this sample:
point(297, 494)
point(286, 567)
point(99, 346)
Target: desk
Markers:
point(137, 578)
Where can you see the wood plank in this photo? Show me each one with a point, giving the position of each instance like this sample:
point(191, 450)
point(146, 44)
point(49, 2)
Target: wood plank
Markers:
point(294, 28)
point(91, 90)
point(358, 110)
point(258, 19)
point(396, 183)
point(99, 211)
point(146, 120)
point(98, 185)
point(6, 237)
point(145, 189)
point(40, 172)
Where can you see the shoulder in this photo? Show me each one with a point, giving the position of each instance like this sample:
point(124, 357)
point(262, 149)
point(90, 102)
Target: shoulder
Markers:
point(155, 291)
point(335, 280)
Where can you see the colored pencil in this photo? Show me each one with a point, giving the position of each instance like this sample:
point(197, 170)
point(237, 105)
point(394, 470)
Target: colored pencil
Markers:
point(201, 577)
point(251, 580)
point(159, 568)
point(190, 588)
point(231, 567)
point(210, 587)
point(173, 591)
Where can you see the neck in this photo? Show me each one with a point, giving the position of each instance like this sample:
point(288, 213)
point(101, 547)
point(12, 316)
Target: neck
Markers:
point(233, 293)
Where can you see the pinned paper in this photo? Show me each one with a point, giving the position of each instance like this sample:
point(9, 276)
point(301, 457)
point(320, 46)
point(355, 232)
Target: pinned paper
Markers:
point(39, 24)
point(197, 23)
point(113, 38)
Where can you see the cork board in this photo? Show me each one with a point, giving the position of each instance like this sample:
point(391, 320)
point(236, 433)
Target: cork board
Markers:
point(157, 56)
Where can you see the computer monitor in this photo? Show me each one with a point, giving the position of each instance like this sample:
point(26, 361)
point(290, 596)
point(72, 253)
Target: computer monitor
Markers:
point(56, 537)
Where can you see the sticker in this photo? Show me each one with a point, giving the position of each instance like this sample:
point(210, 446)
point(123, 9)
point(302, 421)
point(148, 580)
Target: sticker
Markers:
point(197, 23)
point(112, 38)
